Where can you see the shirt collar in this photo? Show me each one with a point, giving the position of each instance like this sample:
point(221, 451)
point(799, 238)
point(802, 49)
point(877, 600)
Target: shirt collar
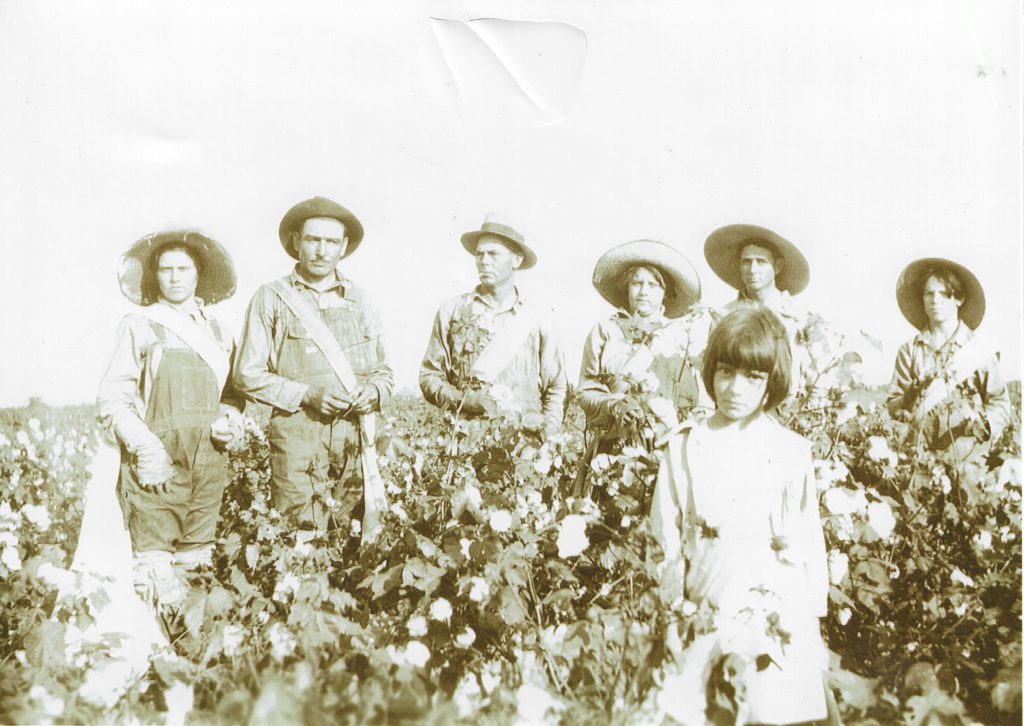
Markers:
point(199, 313)
point(516, 305)
point(960, 337)
point(340, 281)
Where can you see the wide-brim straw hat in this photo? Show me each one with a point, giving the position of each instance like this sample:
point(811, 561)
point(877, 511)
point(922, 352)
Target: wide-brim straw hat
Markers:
point(216, 279)
point(682, 283)
point(723, 247)
point(910, 289)
point(505, 233)
point(294, 218)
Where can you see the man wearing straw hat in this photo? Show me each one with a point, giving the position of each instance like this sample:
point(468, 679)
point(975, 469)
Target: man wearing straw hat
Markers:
point(167, 399)
point(490, 351)
point(768, 270)
point(311, 348)
point(945, 381)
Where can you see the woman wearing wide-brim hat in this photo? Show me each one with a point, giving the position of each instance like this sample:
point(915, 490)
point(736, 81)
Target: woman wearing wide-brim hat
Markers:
point(641, 365)
point(945, 381)
point(166, 398)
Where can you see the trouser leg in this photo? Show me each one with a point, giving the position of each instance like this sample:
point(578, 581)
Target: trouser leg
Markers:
point(299, 465)
point(209, 479)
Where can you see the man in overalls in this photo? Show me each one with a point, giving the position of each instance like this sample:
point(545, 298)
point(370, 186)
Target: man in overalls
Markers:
point(166, 398)
point(319, 437)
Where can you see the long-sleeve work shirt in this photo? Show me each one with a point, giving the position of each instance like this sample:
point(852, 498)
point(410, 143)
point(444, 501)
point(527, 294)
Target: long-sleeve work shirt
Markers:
point(462, 328)
point(982, 392)
point(277, 361)
point(126, 386)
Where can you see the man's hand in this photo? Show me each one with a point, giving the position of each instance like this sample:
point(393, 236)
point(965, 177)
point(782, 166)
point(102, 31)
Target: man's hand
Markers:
point(152, 467)
point(229, 428)
point(534, 423)
point(156, 488)
point(474, 403)
point(365, 399)
point(326, 402)
point(627, 412)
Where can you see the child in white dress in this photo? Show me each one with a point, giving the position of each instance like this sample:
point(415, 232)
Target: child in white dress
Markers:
point(736, 511)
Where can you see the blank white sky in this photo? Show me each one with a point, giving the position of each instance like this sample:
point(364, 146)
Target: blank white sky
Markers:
point(868, 133)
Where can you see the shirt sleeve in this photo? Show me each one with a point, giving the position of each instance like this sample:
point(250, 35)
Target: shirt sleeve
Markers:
point(436, 363)
point(252, 373)
point(381, 376)
point(902, 378)
point(231, 396)
point(120, 403)
point(594, 396)
point(666, 519)
point(996, 398)
point(553, 383)
point(800, 528)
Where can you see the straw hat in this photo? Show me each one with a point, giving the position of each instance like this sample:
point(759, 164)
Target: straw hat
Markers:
point(504, 232)
point(319, 207)
point(216, 270)
point(910, 288)
point(723, 247)
point(682, 283)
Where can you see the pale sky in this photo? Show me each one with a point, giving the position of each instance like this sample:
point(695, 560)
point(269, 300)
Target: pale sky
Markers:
point(869, 134)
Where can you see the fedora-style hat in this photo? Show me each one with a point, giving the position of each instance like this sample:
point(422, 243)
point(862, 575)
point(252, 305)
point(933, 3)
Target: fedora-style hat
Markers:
point(505, 233)
point(216, 270)
point(910, 288)
point(723, 247)
point(682, 283)
point(319, 207)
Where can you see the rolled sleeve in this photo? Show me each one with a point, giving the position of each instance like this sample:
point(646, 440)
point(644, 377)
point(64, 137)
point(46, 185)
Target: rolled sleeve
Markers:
point(256, 359)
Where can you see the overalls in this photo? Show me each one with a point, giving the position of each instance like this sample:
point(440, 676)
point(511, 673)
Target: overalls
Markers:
point(312, 454)
point(184, 402)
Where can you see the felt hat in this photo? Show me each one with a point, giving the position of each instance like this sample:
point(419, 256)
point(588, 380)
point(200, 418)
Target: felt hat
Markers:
point(319, 207)
point(910, 289)
point(136, 272)
point(506, 234)
point(723, 247)
point(682, 283)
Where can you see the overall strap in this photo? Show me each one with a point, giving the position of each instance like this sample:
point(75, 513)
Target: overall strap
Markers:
point(374, 493)
point(195, 336)
point(318, 331)
point(503, 347)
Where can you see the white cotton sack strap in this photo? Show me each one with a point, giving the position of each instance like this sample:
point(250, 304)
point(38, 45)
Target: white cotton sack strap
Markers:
point(374, 493)
point(498, 353)
point(195, 336)
point(962, 365)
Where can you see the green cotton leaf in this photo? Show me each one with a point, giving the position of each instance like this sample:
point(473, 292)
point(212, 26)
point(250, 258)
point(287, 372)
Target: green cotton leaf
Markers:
point(219, 601)
point(252, 555)
point(310, 590)
point(194, 611)
point(422, 575)
point(214, 649)
point(511, 610)
point(44, 645)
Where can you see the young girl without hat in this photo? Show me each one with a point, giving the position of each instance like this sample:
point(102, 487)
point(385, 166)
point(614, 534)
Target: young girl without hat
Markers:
point(736, 512)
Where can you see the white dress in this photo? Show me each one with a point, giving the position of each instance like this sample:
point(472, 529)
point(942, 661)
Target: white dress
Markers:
point(737, 515)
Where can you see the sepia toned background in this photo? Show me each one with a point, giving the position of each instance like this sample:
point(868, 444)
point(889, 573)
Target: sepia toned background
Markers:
point(867, 134)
